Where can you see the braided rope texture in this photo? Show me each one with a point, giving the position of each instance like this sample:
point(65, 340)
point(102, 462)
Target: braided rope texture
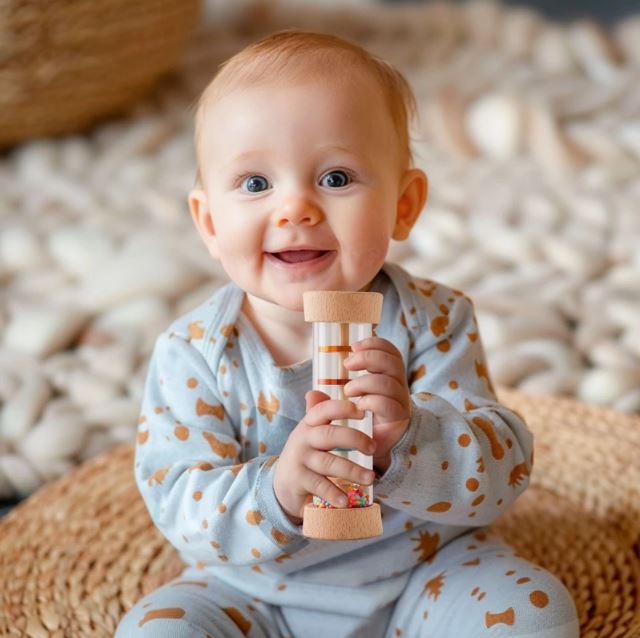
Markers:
point(79, 552)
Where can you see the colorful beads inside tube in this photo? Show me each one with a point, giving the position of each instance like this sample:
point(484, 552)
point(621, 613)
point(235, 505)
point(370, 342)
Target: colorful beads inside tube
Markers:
point(356, 493)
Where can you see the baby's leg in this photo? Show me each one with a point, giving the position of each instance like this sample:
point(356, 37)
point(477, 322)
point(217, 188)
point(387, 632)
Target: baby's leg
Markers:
point(474, 587)
point(196, 605)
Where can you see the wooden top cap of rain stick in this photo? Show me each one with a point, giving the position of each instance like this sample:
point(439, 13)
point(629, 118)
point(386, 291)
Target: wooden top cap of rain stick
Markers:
point(341, 306)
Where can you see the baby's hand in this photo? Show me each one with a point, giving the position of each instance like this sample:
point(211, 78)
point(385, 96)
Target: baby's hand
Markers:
point(385, 392)
point(305, 461)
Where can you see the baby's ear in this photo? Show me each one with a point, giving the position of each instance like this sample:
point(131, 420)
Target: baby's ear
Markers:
point(201, 215)
point(414, 187)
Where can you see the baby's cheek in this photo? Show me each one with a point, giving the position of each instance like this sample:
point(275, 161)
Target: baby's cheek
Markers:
point(239, 245)
point(242, 265)
point(368, 250)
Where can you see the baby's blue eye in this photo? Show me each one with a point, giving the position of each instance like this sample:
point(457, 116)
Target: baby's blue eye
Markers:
point(255, 184)
point(335, 179)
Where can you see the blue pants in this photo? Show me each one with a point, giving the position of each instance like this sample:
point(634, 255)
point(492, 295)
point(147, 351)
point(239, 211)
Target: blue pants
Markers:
point(474, 586)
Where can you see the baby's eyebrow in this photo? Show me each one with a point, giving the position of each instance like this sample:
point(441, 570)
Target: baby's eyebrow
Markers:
point(239, 162)
point(247, 155)
point(336, 147)
point(327, 147)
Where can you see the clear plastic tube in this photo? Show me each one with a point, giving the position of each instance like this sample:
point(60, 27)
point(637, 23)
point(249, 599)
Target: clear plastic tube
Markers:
point(331, 346)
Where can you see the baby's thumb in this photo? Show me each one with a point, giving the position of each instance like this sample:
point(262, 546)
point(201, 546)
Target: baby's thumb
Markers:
point(313, 397)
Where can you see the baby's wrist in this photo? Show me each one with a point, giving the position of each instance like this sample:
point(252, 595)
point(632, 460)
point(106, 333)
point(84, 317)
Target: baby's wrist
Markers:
point(296, 520)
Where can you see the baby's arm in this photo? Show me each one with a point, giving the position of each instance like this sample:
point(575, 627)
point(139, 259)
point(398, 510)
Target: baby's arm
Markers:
point(211, 506)
point(464, 458)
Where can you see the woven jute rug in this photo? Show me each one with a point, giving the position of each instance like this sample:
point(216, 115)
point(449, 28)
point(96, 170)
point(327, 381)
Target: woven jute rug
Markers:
point(77, 554)
point(68, 65)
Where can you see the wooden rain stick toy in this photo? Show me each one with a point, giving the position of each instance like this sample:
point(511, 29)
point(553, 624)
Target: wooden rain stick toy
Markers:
point(339, 319)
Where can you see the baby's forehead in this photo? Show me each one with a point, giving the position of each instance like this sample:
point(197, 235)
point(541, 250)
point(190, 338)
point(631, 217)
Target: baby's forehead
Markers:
point(323, 82)
point(360, 93)
point(311, 111)
point(379, 91)
point(358, 104)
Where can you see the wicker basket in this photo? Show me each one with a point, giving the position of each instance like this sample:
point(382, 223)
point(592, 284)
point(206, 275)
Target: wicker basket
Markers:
point(77, 554)
point(66, 65)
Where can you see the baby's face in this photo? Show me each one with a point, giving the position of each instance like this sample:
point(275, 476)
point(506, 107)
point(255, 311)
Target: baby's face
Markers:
point(299, 166)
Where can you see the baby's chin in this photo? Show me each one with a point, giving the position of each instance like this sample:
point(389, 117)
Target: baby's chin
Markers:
point(288, 301)
point(294, 301)
point(293, 307)
point(275, 301)
point(288, 295)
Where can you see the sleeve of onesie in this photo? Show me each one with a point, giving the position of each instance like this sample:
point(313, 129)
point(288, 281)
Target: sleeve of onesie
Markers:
point(210, 506)
point(464, 458)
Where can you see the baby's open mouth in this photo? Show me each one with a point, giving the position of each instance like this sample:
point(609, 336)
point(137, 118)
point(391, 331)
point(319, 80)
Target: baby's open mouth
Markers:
point(294, 256)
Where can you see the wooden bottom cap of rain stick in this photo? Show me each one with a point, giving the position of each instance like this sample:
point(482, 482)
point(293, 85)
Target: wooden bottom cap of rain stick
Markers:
point(343, 523)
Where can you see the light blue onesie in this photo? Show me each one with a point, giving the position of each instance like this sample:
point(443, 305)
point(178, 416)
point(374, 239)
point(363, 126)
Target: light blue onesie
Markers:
point(216, 413)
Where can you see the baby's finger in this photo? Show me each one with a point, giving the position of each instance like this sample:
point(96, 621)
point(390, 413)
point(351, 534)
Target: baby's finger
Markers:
point(332, 410)
point(330, 437)
point(327, 464)
point(381, 384)
point(384, 409)
point(313, 397)
point(319, 485)
point(377, 361)
point(376, 343)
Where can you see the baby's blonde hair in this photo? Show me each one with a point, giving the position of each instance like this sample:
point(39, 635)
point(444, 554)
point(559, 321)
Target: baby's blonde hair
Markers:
point(295, 55)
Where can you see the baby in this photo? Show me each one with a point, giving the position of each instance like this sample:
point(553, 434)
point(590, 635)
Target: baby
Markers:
point(304, 177)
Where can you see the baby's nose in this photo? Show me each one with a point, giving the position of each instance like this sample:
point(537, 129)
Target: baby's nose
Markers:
point(298, 210)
